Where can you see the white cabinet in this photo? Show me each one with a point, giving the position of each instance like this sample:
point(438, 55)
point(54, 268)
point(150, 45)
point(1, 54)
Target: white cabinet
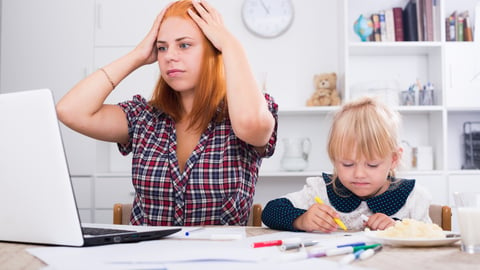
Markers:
point(49, 44)
point(111, 189)
point(83, 189)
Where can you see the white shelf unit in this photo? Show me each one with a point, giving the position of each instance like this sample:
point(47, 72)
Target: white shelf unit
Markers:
point(452, 67)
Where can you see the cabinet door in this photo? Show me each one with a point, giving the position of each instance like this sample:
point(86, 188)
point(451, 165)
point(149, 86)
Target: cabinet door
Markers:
point(82, 186)
point(49, 44)
point(463, 74)
point(124, 22)
point(111, 190)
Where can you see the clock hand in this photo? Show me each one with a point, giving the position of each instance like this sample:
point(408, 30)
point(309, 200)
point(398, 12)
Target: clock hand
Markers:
point(265, 7)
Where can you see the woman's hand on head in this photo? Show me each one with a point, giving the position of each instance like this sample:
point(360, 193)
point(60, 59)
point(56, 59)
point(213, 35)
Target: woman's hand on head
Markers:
point(319, 217)
point(379, 221)
point(146, 50)
point(211, 23)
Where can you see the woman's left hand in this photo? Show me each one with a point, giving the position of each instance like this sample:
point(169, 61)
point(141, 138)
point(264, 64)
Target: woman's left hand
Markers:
point(210, 22)
point(379, 221)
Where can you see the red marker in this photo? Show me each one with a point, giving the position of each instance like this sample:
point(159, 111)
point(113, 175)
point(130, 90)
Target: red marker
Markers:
point(276, 242)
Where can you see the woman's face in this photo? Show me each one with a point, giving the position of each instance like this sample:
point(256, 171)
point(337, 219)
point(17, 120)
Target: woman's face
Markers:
point(180, 50)
point(364, 177)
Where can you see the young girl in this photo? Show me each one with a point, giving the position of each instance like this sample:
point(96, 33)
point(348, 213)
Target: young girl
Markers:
point(198, 143)
point(364, 151)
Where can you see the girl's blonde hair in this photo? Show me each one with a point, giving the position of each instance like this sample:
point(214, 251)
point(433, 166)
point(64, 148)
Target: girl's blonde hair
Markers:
point(210, 92)
point(364, 128)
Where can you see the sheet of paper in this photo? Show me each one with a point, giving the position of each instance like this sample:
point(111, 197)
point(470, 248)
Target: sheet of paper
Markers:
point(178, 254)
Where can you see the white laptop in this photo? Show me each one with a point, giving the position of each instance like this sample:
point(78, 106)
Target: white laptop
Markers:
point(37, 203)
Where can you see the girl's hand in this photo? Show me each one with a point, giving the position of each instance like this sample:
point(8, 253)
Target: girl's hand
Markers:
point(146, 50)
point(379, 221)
point(211, 23)
point(319, 217)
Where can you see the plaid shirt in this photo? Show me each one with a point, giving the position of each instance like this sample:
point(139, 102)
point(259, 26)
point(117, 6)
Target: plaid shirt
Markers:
point(217, 184)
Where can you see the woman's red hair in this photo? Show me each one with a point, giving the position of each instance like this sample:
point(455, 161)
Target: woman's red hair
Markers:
point(210, 92)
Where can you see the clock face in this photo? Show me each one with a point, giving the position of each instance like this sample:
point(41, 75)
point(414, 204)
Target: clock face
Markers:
point(267, 18)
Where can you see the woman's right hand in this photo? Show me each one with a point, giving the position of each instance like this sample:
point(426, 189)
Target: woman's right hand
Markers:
point(146, 50)
point(319, 217)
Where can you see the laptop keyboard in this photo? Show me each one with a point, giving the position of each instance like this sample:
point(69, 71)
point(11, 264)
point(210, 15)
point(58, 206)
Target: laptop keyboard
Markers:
point(102, 231)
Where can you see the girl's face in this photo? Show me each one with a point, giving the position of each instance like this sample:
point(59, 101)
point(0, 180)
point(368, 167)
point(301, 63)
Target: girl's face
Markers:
point(365, 178)
point(180, 51)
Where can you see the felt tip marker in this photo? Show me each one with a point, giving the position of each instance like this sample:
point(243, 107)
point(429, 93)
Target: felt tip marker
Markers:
point(347, 249)
point(289, 246)
point(352, 257)
point(276, 242)
point(337, 220)
point(369, 253)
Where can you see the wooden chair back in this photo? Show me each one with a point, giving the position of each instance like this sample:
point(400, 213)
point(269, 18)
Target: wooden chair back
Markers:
point(121, 214)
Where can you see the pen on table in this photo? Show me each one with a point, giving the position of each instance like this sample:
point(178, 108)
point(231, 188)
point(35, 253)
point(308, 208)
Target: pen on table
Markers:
point(187, 233)
point(340, 251)
point(370, 252)
point(289, 246)
point(321, 252)
point(276, 242)
point(337, 220)
point(352, 257)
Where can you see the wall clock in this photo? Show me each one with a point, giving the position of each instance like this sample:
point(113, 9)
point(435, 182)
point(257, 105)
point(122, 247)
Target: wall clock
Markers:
point(267, 18)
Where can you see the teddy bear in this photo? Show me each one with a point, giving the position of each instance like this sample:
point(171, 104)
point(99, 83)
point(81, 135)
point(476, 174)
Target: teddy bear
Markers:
point(325, 90)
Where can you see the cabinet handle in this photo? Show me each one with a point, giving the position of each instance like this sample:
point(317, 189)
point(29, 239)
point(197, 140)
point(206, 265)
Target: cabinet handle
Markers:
point(450, 81)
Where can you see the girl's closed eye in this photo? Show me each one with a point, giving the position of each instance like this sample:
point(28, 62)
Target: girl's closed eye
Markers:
point(347, 164)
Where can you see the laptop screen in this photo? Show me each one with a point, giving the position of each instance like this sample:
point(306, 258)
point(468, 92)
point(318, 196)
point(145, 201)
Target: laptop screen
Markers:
point(37, 202)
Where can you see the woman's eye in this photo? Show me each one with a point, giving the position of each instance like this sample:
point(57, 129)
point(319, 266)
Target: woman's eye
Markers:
point(162, 48)
point(184, 45)
point(373, 165)
point(347, 164)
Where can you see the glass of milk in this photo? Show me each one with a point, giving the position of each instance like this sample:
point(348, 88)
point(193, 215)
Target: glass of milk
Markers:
point(468, 211)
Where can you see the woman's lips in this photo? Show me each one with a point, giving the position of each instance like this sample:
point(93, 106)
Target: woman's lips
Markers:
point(174, 72)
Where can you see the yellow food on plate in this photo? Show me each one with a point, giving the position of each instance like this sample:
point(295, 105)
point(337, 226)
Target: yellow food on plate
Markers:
point(410, 228)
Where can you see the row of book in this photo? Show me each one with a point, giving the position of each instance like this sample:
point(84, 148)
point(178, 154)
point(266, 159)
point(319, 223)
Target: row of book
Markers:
point(417, 21)
point(458, 27)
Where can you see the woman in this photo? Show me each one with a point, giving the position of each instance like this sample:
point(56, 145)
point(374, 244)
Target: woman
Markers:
point(198, 143)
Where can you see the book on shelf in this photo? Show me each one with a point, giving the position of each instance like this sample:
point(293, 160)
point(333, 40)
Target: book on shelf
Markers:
point(428, 21)
point(450, 27)
point(459, 28)
point(376, 35)
point(420, 22)
point(436, 18)
point(398, 23)
point(383, 26)
point(410, 28)
point(390, 25)
point(467, 28)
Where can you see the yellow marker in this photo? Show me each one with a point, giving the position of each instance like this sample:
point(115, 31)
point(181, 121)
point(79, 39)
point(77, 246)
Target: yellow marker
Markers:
point(337, 220)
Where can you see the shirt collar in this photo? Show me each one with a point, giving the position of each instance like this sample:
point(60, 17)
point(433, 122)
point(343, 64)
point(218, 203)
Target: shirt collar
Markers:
point(388, 202)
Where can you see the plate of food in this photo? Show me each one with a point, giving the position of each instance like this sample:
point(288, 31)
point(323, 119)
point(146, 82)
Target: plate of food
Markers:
point(414, 234)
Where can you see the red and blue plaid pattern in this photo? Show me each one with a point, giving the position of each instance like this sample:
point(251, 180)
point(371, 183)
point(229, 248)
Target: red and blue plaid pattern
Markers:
point(217, 185)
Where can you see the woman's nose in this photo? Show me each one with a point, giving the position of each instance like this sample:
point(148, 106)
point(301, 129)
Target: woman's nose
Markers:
point(171, 54)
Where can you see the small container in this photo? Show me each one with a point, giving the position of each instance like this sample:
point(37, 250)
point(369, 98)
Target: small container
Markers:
point(407, 98)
